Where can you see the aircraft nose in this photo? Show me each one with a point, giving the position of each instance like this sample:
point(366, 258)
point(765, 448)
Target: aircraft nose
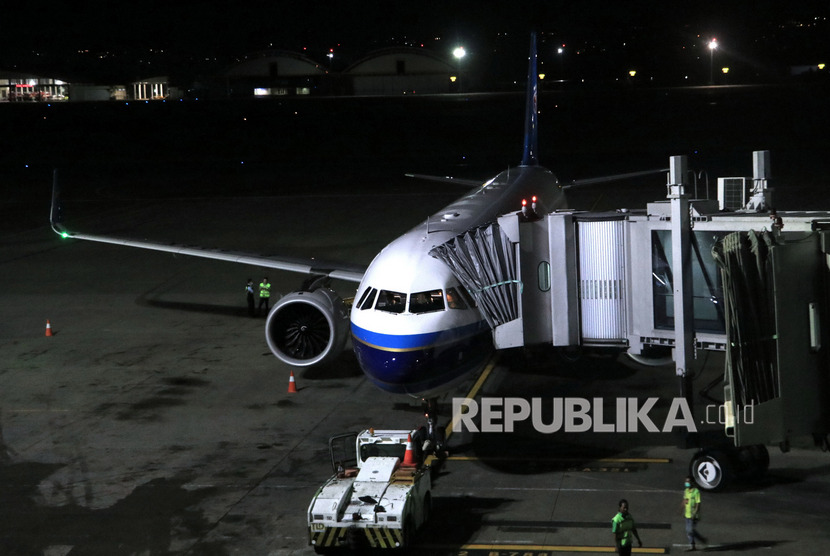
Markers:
point(419, 365)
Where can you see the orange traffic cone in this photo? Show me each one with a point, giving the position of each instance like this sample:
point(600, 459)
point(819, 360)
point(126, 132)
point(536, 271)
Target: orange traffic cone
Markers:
point(48, 328)
point(409, 456)
point(292, 384)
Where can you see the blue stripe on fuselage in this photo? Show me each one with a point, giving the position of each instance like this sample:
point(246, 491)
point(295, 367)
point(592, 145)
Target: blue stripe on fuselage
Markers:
point(408, 342)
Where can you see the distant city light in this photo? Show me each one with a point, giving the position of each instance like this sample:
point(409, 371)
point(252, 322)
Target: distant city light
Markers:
point(453, 78)
point(821, 66)
point(632, 73)
point(725, 70)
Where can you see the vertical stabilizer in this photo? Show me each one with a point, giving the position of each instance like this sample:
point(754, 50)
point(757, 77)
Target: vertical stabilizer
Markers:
point(531, 133)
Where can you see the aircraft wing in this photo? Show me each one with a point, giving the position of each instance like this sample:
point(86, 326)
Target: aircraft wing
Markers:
point(447, 179)
point(614, 177)
point(573, 183)
point(312, 267)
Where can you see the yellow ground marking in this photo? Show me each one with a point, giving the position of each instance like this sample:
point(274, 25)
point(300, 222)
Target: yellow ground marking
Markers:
point(538, 548)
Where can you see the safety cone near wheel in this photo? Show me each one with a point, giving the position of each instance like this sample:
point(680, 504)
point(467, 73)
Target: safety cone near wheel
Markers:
point(292, 384)
point(409, 455)
point(48, 328)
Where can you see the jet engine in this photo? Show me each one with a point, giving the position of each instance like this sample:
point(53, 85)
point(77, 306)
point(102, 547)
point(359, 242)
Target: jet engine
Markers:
point(307, 327)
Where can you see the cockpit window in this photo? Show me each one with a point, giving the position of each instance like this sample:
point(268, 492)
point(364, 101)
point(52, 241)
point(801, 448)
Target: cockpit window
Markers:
point(391, 302)
point(426, 302)
point(367, 299)
point(454, 299)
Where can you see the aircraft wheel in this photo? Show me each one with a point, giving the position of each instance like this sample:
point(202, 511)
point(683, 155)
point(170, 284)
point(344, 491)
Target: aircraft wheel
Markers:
point(711, 469)
point(754, 461)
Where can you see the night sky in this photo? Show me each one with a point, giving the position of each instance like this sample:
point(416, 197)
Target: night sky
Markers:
point(175, 34)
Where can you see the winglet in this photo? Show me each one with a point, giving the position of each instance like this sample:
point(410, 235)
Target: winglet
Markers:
point(529, 157)
point(55, 217)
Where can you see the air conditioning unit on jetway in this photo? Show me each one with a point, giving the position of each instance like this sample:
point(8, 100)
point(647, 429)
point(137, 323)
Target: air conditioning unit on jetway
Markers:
point(733, 193)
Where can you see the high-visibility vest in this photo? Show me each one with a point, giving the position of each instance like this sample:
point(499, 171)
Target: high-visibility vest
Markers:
point(691, 500)
point(264, 289)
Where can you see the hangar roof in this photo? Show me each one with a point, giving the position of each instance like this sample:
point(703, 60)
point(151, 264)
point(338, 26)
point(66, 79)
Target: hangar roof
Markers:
point(385, 62)
point(262, 64)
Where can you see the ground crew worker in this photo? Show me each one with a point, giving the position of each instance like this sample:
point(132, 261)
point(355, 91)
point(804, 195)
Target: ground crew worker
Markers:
point(264, 294)
point(622, 527)
point(249, 293)
point(691, 511)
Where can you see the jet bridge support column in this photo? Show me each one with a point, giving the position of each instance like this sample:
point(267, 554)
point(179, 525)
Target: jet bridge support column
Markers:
point(681, 274)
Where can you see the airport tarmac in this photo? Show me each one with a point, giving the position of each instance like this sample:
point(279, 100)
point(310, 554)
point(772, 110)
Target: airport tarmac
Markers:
point(156, 421)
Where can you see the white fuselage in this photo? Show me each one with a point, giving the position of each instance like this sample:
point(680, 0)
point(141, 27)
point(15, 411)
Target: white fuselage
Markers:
point(415, 330)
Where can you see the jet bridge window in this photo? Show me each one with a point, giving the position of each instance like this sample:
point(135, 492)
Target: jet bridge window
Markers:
point(367, 299)
point(391, 302)
point(707, 290)
point(426, 302)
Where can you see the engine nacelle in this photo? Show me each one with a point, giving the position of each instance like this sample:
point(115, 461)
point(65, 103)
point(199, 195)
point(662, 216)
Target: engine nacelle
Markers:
point(307, 328)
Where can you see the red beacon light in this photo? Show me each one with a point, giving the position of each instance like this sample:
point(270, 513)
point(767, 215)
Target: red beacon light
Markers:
point(529, 212)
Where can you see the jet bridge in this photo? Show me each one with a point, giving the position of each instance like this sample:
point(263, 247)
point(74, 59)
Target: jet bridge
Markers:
point(678, 277)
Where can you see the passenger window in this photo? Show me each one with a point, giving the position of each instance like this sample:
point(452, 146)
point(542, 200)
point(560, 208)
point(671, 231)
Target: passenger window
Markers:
point(391, 302)
point(426, 302)
point(367, 299)
point(454, 299)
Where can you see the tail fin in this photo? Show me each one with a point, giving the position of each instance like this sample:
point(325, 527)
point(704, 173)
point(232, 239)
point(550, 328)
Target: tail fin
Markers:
point(531, 132)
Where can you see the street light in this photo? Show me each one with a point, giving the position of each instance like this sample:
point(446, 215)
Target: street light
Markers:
point(713, 45)
point(459, 53)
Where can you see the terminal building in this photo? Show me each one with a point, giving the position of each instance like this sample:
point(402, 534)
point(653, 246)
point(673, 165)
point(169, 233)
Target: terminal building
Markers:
point(25, 87)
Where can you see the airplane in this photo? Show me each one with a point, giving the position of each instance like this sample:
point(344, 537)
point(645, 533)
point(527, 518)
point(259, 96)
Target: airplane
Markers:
point(415, 329)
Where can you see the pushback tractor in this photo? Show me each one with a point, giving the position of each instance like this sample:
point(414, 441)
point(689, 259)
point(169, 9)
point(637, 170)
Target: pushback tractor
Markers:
point(379, 496)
